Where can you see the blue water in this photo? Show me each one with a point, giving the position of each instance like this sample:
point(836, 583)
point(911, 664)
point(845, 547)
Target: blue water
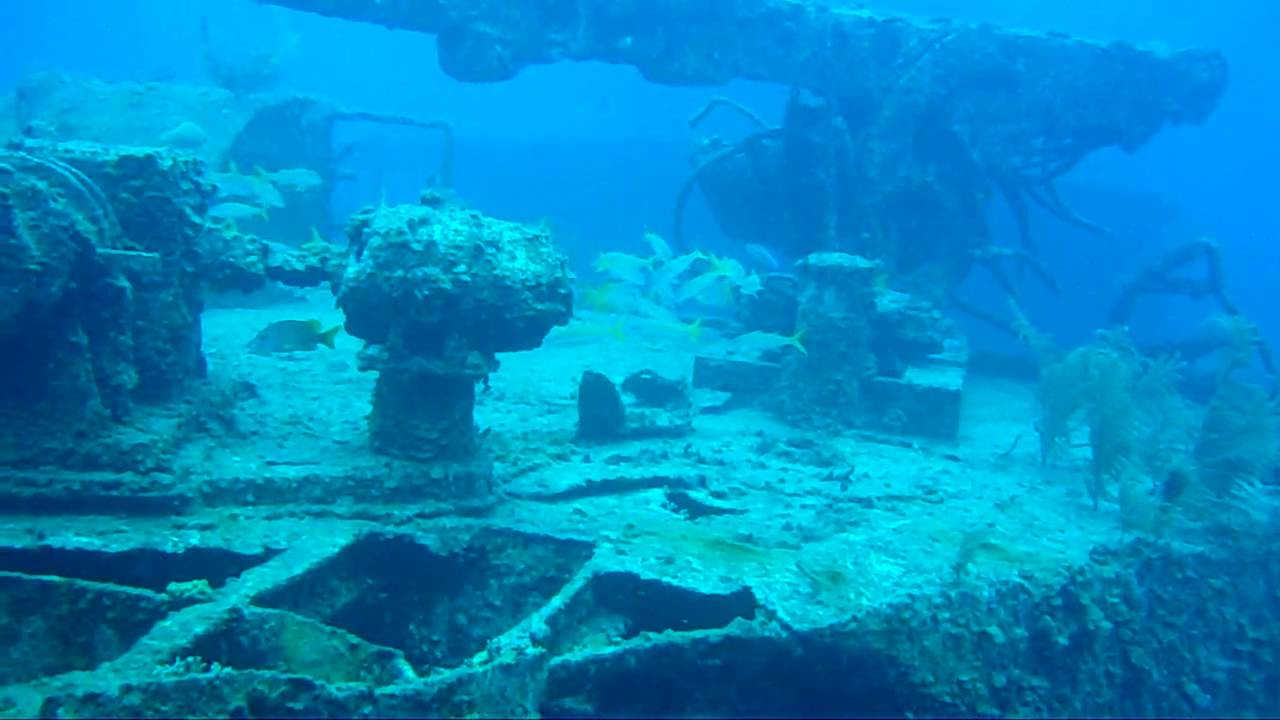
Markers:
point(1216, 175)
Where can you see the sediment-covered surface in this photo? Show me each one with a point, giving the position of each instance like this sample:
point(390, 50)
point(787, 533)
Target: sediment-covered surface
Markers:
point(273, 568)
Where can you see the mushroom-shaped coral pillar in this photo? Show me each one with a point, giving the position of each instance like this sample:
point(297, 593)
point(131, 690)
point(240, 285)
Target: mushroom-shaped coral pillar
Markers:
point(435, 291)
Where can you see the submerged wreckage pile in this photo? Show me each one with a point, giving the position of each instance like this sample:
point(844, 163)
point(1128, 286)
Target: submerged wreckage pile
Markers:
point(111, 251)
point(881, 169)
point(897, 135)
point(111, 236)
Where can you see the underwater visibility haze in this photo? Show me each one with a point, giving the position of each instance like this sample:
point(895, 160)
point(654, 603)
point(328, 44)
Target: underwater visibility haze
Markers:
point(516, 358)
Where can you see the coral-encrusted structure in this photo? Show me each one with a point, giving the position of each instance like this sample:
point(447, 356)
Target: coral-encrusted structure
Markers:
point(820, 47)
point(437, 291)
point(105, 254)
point(836, 303)
point(101, 288)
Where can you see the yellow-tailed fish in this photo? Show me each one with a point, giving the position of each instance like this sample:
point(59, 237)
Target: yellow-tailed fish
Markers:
point(292, 336)
point(756, 342)
point(661, 250)
point(609, 296)
point(264, 190)
point(728, 267)
point(591, 329)
point(237, 211)
point(296, 179)
point(246, 189)
point(687, 331)
point(693, 330)
point(667, 273)
point(751, 285)
point(709, 288)
point(623, 266)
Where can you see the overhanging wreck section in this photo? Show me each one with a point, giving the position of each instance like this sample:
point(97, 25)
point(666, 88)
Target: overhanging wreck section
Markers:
point(900, 130)
point(1062, 87)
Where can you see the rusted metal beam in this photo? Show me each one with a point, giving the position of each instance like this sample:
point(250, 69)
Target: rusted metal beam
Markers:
point(1050, 94)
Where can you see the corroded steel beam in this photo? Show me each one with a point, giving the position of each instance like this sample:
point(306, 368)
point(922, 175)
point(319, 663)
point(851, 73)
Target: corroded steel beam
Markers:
point(1061, 90)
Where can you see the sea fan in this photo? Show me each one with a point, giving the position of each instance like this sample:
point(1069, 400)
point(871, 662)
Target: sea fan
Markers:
point(1238, 437)
point(1138, 424)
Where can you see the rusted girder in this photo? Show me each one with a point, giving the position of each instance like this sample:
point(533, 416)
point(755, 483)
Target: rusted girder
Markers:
point(1065, 95)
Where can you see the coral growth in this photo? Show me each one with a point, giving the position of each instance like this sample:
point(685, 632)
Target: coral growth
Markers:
point(1146, 440)
point(1128, 402)
point(1237, 444)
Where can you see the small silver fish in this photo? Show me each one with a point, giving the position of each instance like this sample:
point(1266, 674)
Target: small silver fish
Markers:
point(296, 179)
point(231, 185)
point(670, 271)
point(624, 266)
point(756, 342)
point(709, 288)
point(249, 189)
point(751, 285)
point(265, 192)
point(237, 211)
point(661, 250)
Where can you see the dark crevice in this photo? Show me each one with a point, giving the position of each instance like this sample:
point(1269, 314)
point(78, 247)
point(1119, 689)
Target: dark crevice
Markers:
point(146, 568)
point(735, 676)
point(654, 606)
point(438, 608)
